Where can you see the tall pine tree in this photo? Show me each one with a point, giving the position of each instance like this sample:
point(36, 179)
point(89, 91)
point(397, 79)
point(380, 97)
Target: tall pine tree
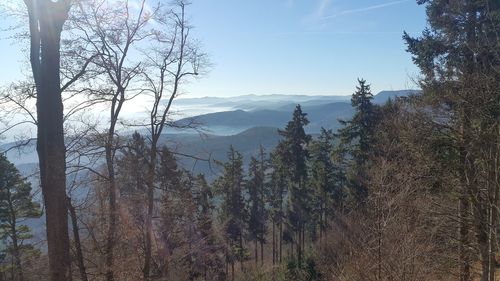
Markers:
point(458, 54)
point(295, 155)
point(257, 213)
point(230, 185)
point(323, 179)
point(277, 194)
point(356, 139)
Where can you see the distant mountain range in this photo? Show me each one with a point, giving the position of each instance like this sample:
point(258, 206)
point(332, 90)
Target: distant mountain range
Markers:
point(244, 129)
point(197, 153)
point(276, 110)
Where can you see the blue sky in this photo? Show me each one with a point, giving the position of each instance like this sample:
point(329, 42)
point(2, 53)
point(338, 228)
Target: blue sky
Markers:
point(314, 47)
point(305, 46)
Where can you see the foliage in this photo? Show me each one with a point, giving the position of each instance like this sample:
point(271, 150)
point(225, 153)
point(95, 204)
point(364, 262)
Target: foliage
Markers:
point(16, 205)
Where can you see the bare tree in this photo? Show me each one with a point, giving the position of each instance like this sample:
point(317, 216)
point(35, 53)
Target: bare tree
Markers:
point(175, 59)
point(113, 31)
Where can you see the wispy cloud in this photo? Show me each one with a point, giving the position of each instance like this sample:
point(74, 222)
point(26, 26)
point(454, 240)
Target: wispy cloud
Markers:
point(365, 9)
point(323, 7)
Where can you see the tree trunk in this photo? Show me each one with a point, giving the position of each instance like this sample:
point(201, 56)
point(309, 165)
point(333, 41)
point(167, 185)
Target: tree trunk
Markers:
point(261, 252)
point(240, 253)
point(303, 238)
point(494, 187)
point(150, 207)
point(465, 258)
point(481, 220)
point(46, 19)
point(299, 245)
point(274, 243)
point(281, 242)
point(232, 270)
point(321, 223)
point(16, 254)
point(256, 253)
point(116, 105)
point(112, 216)
point(13, 235)
point(78, 245)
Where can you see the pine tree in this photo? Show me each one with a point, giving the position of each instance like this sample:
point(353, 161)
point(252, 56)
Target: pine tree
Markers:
point(209, 251)
point(276, 200)
point(252, 186)
point(459, 59)
point(294, 153)
point(233, 215)
point(16, 205)
point(168, 173)
point(177, 211)
point(132, 172)
point(264, 193)
point(256, 190)
point(204, 199)
point(356, 139)
point(327, 192)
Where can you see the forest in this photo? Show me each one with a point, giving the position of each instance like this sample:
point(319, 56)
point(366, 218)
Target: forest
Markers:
point(405, 190)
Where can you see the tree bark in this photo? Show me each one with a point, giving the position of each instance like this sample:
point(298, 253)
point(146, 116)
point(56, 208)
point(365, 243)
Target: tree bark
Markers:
point(150, 207)
point(465, 262)
point(116, 106)
point(78, 244)
point(232, 270)
point(112, 216)
point(262, 252)
point(281, 241)
point(256, 253)
point(46, 20)
point(274, 244)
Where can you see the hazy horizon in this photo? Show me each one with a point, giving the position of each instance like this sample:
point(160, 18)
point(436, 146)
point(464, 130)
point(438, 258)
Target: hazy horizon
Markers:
point(318, 47)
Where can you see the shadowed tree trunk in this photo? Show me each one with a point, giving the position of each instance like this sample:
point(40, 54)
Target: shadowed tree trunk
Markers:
point(465, 263)
point(78, 244)
point(46, 19)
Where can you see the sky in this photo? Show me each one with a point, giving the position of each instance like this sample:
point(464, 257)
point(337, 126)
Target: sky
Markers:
point(312, 47)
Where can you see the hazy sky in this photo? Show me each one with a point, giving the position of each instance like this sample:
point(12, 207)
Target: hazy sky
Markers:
point(293, 46)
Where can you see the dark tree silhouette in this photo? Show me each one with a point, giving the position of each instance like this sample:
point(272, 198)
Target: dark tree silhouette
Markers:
point(46, 20)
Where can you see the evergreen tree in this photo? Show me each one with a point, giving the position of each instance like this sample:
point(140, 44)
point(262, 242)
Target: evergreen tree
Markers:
point(209, 250)
point(210, 260)
point(356, 139)
point(132, 172)
point(16, 205)
point(295, 155)
point(459, 59)
point(327, 192)
point(168, 174)
point(256, 189)
point(233, 215)
point(177, 215)
point(204, 199)
point(276, 200)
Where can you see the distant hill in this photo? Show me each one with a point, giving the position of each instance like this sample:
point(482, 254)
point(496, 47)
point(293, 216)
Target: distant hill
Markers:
point(253, 102)
point(384, 96)
point(323, 111)
point(215, 147)
point(323, 115)
point(245, 129)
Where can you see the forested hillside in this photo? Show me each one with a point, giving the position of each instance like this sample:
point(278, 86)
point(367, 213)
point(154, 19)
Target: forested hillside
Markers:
point(398, 186)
